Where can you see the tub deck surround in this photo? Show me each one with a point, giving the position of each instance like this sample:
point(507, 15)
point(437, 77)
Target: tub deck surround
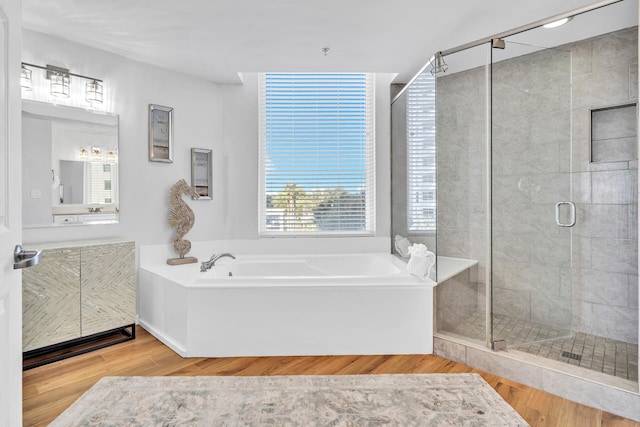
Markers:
point(203, 250)
point(293, 270)
point(338, 304)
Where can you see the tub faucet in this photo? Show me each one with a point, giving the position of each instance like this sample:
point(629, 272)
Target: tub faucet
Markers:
point(205, 265)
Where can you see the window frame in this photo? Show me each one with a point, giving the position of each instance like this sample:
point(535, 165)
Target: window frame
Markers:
point(266, 214)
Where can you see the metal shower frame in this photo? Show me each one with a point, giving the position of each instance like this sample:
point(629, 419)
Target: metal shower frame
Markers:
point(513, 31)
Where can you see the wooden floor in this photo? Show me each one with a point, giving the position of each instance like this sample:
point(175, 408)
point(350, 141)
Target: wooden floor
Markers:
point(50, 389)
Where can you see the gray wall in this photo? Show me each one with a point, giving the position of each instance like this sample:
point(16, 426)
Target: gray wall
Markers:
point(72, 180)
point(207, 115)
point(36, 171)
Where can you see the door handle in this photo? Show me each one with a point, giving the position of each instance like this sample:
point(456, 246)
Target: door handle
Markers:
point(24, 259)
point(572, 218)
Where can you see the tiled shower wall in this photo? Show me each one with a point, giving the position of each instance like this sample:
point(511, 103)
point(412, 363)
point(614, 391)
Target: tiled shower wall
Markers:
point(605, 238)
point(532, 123)
point(531, 137)
point(461, 137)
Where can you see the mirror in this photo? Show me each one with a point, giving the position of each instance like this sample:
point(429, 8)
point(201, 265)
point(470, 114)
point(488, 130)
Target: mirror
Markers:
point(69, 166)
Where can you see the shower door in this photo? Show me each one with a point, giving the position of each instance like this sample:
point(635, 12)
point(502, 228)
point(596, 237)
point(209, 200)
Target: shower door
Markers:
point(531, 206)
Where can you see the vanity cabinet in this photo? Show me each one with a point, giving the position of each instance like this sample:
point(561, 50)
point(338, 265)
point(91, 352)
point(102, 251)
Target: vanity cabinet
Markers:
point(51, 299)
point(78, 290)
point(108, 287)
point(65, 219)
point(108, 218)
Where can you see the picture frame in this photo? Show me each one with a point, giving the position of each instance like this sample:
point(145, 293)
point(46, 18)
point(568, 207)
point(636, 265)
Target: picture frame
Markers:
point(160, 133)
point(202, 172)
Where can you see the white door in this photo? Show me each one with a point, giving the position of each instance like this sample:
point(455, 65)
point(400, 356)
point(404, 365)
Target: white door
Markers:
point(10, 216)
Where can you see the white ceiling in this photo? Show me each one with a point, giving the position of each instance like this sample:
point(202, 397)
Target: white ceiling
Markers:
point(216, 39)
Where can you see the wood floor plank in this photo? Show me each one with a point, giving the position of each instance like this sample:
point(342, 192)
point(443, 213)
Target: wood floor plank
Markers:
point(267, 365)
point(54, 370)
point(549, 406)
point(225, 366)
point(311, 365)
point(361, 365)
point(576, 415)
point(48, 390)
point(611, 420)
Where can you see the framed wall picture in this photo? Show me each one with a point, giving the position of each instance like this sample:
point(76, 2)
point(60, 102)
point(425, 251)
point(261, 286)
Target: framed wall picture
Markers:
point(201, 172)
point(160, 133)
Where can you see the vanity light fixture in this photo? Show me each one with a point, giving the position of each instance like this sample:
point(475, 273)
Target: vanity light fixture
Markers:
point(93, 91)
point(111, 156)
point(84, 154)
point(60, 85)
point(61, 82)
point(96, 153)
point(25, 78)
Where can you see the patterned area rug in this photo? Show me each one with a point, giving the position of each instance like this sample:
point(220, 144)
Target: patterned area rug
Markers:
point(340, 400)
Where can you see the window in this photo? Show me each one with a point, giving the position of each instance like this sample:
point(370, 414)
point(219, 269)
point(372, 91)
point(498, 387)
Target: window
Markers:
point(102, 182)
point(316, 154)
point(421, 155)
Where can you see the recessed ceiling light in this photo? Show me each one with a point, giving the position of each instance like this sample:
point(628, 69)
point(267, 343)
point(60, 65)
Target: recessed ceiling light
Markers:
point(557, 23)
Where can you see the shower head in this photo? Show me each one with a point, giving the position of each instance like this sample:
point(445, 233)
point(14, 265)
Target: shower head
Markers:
point(438, 65)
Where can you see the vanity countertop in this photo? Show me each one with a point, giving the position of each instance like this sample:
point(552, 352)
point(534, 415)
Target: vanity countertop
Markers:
point(75, 243)
point(82, 209)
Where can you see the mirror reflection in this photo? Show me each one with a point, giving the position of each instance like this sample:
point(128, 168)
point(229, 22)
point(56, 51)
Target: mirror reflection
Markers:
point(70, 166)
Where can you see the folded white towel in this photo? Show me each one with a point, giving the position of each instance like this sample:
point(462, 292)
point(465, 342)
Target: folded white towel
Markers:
point(421, 260)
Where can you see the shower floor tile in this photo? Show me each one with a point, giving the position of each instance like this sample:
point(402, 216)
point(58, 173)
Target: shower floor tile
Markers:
point(592, 352)
point(610, 356)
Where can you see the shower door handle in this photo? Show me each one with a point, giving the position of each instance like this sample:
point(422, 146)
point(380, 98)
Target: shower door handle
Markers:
point(573, 214)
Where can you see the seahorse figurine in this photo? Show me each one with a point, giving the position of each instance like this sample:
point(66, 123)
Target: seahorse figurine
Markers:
point(181, 218)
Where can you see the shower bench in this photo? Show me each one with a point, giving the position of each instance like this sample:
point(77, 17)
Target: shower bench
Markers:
point(449, 267)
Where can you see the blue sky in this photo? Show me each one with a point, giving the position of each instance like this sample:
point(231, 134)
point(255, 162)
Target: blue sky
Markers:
point(315, 126)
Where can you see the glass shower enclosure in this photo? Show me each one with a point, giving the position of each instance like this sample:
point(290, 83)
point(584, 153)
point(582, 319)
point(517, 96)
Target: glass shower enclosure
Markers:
point(536, 187)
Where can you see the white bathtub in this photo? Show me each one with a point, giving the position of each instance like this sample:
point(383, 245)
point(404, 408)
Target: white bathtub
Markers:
point(288, 305)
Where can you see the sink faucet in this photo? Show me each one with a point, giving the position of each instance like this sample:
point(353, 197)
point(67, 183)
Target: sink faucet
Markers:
point(205, 265)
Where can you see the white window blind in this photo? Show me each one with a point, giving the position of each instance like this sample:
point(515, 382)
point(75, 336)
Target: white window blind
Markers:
point(102, 182)
point(316, 167)
point(421, 154)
